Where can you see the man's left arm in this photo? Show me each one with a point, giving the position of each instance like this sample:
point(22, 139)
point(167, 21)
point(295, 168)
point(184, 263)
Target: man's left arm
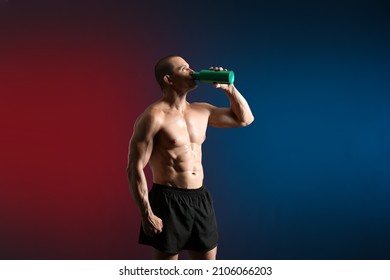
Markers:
point(239, 114)
point(238, 105)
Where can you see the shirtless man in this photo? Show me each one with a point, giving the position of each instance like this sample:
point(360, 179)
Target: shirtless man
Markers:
point(177, 214)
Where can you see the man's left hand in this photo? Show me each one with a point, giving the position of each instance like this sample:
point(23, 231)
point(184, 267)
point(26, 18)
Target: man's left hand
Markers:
point(224, 87)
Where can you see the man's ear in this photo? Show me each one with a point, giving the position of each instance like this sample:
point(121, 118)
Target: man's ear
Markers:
point(167, 80)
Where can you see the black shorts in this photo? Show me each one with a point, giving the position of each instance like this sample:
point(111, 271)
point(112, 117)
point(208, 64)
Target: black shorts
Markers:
point(188, 220)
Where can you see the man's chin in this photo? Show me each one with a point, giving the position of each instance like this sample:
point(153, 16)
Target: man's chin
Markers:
point(193, 87)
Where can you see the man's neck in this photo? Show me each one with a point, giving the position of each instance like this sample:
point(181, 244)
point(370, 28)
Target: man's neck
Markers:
point(175, 100)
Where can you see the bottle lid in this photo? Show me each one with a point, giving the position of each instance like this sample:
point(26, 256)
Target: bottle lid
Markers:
point(231, 77)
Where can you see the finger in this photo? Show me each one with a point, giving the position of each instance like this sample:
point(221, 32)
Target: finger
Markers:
point(159, 227)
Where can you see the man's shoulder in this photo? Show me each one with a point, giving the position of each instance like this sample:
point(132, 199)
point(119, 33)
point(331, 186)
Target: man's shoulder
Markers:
point(153, 112)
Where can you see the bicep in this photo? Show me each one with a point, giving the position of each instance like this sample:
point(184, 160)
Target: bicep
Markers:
point(223, 118)
point(141, 143)
point(140, 151)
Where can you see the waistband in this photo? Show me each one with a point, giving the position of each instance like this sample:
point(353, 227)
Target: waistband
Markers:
point(169, 189)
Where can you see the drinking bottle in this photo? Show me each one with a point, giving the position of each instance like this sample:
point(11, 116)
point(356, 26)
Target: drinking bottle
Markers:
point(213, 76)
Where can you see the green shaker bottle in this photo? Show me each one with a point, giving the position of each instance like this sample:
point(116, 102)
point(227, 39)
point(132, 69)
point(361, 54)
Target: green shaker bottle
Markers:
point(213, 76)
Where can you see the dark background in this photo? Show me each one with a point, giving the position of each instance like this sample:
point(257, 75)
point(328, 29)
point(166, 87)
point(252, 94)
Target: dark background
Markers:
point(309, 179)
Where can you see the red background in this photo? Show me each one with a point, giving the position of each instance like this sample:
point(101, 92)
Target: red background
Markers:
point(72, 84)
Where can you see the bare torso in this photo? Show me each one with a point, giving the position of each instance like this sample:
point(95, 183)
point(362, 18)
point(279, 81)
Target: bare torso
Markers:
point(176, 159)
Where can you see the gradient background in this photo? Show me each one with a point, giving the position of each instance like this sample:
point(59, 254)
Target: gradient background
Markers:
point(309, 179)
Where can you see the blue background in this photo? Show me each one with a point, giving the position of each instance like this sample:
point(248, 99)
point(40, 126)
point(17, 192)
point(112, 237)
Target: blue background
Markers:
point(309, 179)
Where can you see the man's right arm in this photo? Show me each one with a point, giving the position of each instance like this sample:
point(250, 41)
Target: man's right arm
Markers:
point(140, 150)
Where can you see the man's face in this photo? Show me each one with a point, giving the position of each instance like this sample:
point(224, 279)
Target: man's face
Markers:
point(182, 74)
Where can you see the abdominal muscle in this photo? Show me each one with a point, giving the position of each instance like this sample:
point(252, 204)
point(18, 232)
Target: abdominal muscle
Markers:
point(179, 166)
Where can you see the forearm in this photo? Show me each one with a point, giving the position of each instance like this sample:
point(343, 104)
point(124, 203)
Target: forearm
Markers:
point(239, 106)
point(139, 190)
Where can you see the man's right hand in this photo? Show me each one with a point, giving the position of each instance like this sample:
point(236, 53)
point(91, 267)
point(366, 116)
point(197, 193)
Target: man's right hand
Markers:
point(152, 225)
